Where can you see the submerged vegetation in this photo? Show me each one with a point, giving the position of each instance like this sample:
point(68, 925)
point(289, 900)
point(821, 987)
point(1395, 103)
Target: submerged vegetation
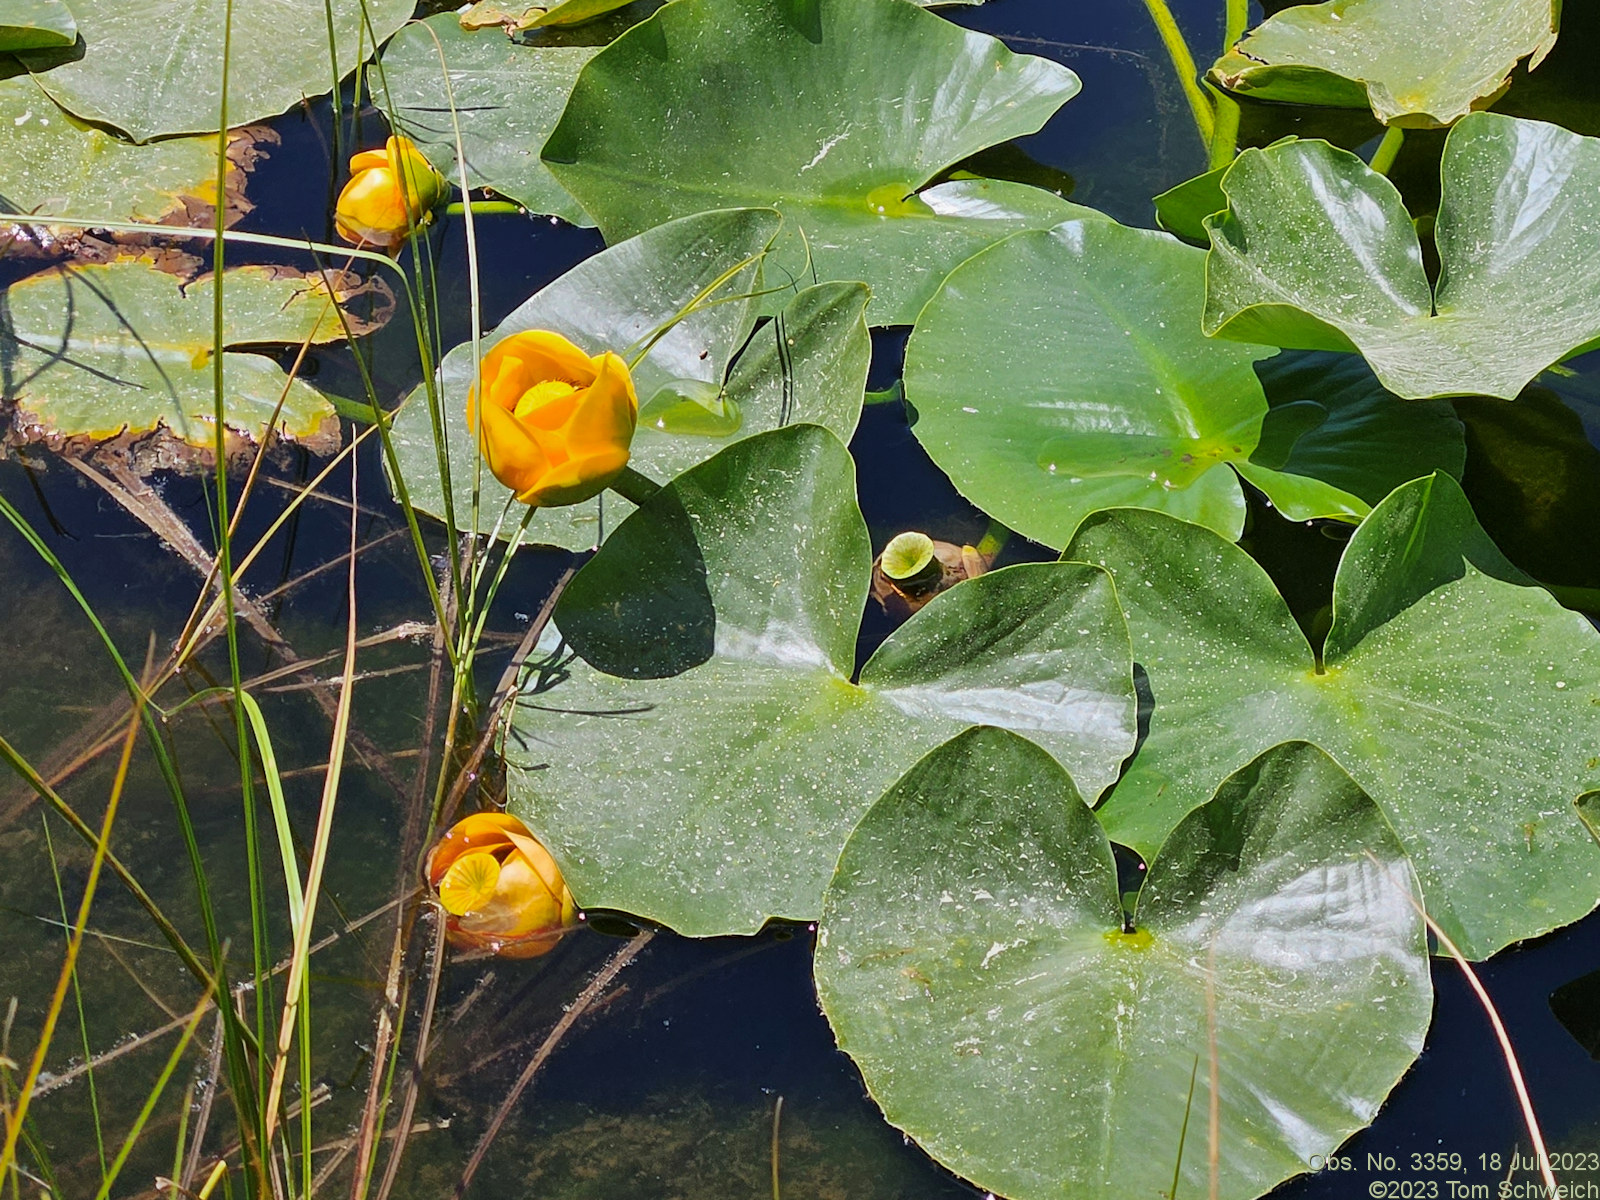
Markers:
point(1124, 838)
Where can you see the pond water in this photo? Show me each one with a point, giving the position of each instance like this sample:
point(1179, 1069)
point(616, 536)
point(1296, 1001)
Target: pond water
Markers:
point(670, 1090)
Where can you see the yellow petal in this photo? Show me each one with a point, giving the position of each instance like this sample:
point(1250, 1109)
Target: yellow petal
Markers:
point(511, 451)
point(522, 904)
point(469, 886)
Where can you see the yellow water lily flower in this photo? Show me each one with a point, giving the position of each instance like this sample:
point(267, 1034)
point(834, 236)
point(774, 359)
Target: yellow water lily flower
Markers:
point(391, 192)
point(556, 424)
point(500, 888)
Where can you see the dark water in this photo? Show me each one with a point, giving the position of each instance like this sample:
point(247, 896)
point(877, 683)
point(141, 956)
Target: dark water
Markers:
point(670, 1091)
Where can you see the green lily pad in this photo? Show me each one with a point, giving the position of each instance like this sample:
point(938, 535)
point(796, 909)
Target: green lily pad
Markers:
point(153, 68)
point(1415, 62)
point(99, 352)
point(1317, 252)
point(1460, 698)
point(1062, 372)
point(973, 961)
point(1182, 210)
point(837, 112)
point(51, 163)
point(1330, 419)
point(697, 391)
point(36, 25)
point(709, 780)
point(508, 96)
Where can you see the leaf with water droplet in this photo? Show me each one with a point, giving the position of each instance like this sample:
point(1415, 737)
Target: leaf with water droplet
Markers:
point(703, 754)
point(1454, 727)
point(973, 962)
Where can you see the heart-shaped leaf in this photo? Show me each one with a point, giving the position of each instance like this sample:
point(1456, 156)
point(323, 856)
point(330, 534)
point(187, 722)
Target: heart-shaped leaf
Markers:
point(1317, 252)
point(123, 348)
point(1062, 372)
point(1461, 699)
point(709, 781)
point(974, 962)
point(697, 391)
point(1414, 61)
point(837, 112)
point(153, 68)
point(508, 96)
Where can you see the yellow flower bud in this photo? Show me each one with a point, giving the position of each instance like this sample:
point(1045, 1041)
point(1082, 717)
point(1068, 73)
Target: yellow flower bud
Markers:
point(555, 423)
point(500, 888)
point(391, 191)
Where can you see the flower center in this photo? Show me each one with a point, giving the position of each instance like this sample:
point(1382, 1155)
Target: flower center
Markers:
point(541, 394)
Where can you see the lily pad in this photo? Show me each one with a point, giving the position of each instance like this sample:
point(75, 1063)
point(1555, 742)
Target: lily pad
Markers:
point(153, 68)
point(697, 392)
point(98, 352)
point(837, 112)
point(705, 758)
point(1415, 62)
point(974, 962)
point(1460, 698)
point(51, 163)
point(1330, 419)
point(1317, 252)
point(35, 25)
point(508, 96)
point(1062, 372)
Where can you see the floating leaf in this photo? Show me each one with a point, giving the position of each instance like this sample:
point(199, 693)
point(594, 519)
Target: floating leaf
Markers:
point(1460, 698)
point(1317, 252)
point(1331, 420)
point(98, 352)
point(1415, 62)
point(712, 788)
point(507, 94)
point(35, 25)
point(1062, 372)
point(52, 164)
point(809, 365)
point(153, 68)
point(972, 960)
point(1182, 210)
point(575, 12)
point(837, 112)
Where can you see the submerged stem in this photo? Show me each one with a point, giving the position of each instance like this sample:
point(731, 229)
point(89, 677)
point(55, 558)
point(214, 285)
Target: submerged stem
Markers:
point(1388, 149)
point(1200, 105)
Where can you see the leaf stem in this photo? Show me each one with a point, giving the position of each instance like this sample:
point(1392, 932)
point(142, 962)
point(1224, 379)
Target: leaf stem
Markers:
point(634, 487)
point(480, 208)
point(1205, 115)
point(1388, 150)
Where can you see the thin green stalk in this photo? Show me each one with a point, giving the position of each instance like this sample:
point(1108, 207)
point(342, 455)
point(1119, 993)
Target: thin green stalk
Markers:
point(338, 100)
point(634, 487)
point(77, 1000)
point(994, 540)
point(1225, 135)
point(1205, 116)
point(296, 901)
point(1388, 149)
